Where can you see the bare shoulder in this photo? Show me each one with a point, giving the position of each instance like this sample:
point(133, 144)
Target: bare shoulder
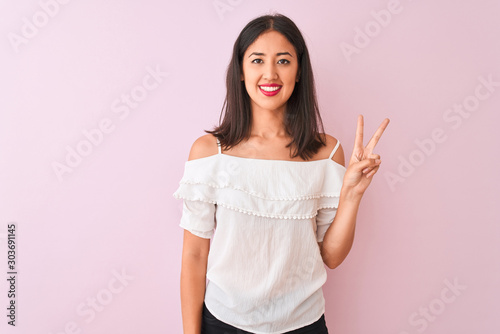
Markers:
point(338, 157)
point(204, 146)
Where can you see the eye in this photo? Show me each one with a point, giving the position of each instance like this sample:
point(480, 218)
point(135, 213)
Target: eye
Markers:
point(257, 61)
point(283, 61)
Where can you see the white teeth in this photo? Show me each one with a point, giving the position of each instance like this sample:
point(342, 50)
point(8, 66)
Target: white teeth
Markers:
point(270, 89)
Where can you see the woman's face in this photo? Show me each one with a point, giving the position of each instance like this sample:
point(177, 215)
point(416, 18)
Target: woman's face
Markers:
point(270, 69)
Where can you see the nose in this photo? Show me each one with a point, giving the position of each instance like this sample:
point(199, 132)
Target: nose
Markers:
point(270, 72)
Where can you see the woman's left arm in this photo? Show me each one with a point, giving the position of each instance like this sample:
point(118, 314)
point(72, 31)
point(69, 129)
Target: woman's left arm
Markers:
point(363, 164)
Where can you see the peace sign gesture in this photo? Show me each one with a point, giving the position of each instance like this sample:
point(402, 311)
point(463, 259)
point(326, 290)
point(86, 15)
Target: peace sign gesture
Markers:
point(363, 163)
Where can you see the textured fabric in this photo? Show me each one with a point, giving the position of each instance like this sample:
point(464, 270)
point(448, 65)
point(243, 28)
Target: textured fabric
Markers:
point(265, 269)
point(212, 325)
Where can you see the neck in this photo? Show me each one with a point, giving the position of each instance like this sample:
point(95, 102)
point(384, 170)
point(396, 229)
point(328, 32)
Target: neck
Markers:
point(268, 123)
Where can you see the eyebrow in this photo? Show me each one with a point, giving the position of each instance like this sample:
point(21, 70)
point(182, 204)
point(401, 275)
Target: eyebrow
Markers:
point(263, 54)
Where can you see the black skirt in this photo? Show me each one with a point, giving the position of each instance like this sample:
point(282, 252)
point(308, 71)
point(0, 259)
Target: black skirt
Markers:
point(212, 325)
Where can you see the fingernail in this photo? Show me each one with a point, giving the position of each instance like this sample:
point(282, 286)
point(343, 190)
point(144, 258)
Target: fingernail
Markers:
point(378, 161)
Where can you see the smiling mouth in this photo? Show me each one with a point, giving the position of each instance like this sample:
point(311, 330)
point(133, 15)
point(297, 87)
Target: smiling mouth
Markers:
point(270, 90)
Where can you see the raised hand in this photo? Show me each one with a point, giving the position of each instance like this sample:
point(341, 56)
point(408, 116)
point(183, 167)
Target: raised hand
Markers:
point(363, 163)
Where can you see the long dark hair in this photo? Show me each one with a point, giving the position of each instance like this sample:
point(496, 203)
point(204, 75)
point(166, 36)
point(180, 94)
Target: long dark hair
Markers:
point(302, 119)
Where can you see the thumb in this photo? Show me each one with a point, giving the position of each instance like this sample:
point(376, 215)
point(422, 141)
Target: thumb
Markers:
point(365, 164)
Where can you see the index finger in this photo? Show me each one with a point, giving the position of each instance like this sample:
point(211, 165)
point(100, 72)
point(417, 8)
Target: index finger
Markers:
point(376, 136)
point(358, 140)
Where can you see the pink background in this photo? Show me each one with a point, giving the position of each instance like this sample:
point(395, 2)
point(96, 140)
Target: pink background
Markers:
point(436, 225)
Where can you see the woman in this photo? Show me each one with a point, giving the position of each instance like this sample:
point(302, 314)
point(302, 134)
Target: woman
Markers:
point(276, 190)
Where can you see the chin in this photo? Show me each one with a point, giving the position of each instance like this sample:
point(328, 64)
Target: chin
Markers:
point(270, 106)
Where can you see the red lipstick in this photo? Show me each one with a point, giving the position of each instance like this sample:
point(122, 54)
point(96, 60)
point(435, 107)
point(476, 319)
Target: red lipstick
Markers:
point(272, 89)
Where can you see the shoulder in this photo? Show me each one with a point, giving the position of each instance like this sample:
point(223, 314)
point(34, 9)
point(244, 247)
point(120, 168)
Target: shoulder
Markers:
point(331, 142)
point(204, 146)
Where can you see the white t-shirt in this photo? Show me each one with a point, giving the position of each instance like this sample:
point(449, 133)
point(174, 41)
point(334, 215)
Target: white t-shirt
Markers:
point(265, 269)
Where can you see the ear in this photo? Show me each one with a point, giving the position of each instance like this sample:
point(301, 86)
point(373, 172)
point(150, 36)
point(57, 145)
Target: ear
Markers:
point(298, 76)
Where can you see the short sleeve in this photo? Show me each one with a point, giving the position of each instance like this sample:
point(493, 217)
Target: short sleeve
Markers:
point(323, 221)
point(330, 198)
point(198, 200)
point(198, 217)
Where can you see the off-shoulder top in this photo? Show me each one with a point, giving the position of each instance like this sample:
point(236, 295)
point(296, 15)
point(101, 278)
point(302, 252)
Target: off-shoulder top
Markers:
point(265, 217)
